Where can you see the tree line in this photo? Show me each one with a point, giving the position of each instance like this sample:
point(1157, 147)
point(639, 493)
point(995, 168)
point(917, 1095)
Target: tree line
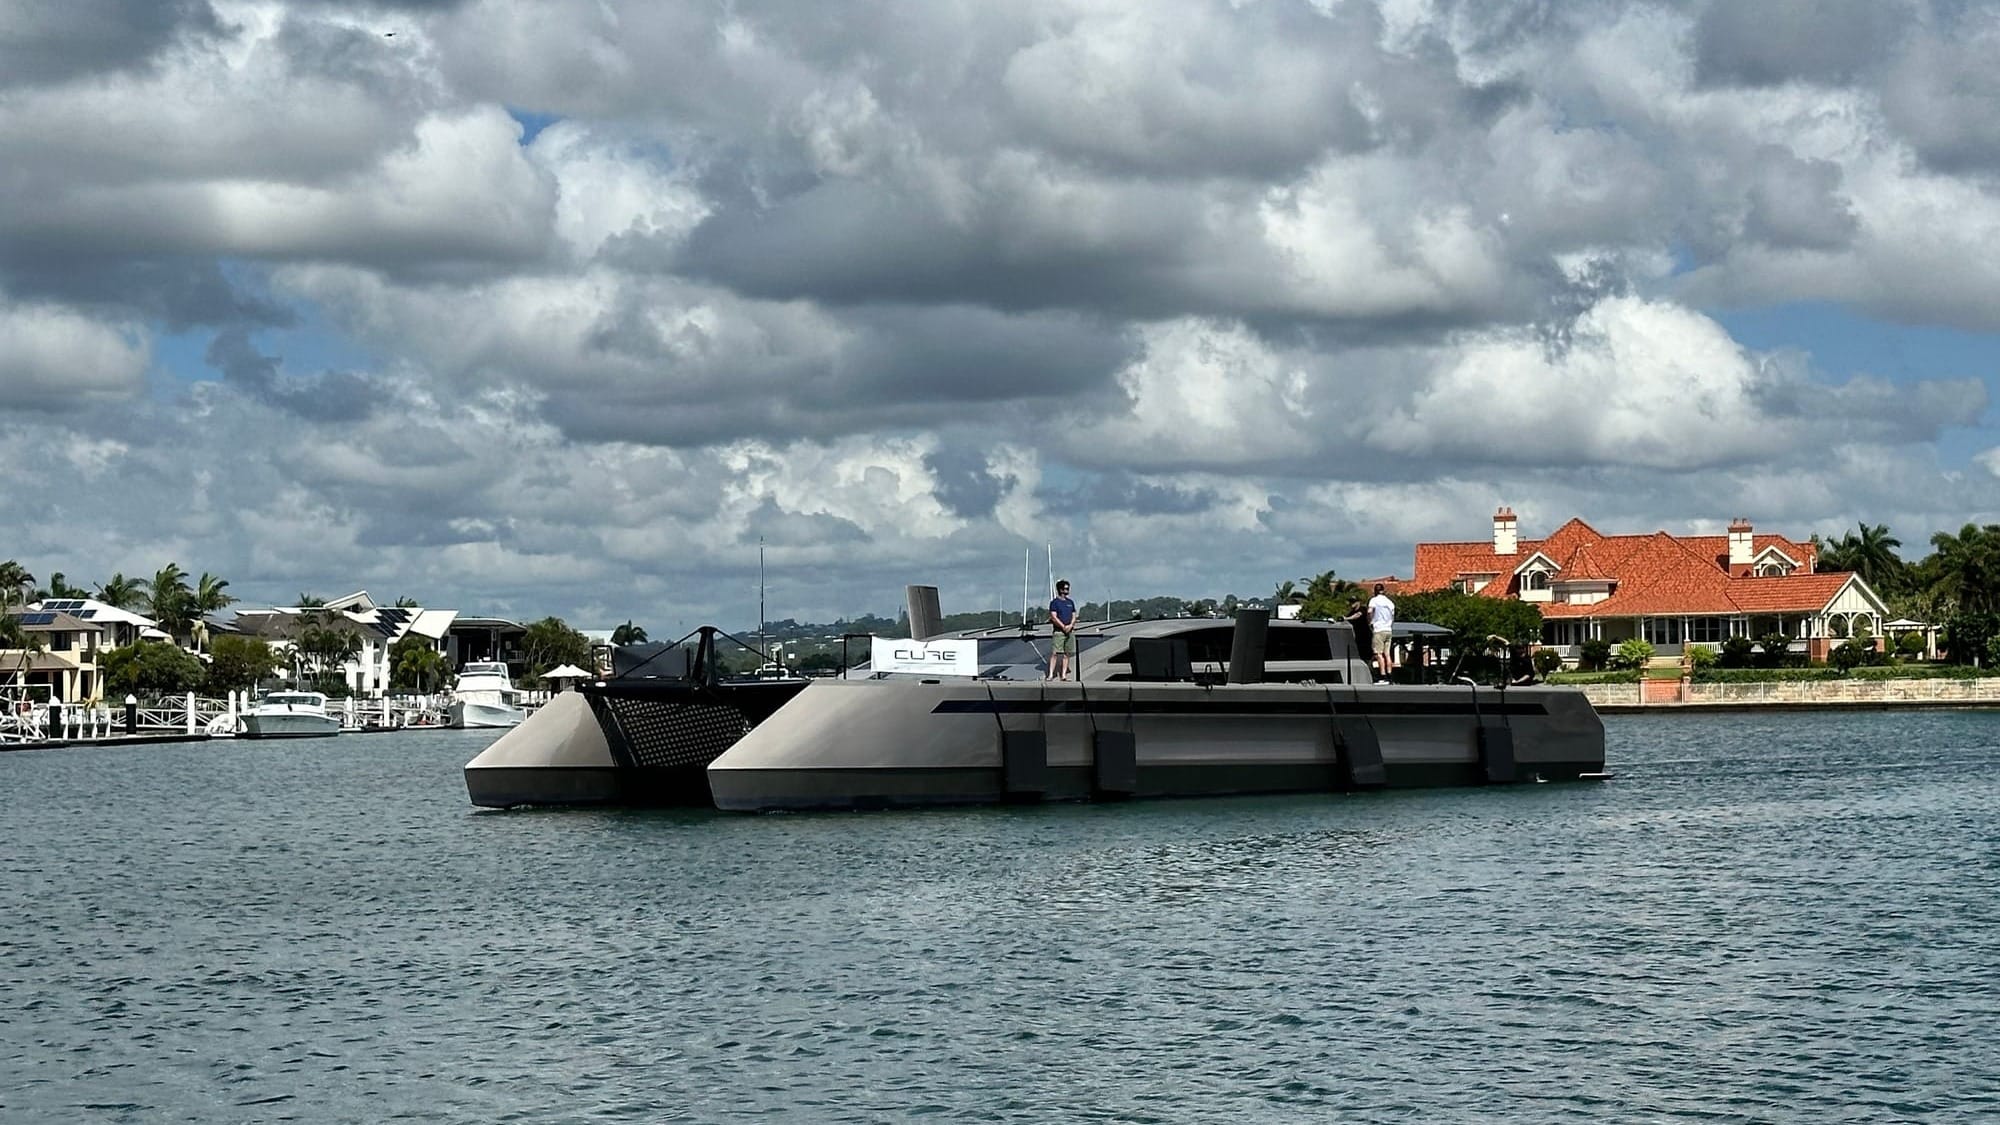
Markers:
point(1956, 585)
point(222, 662)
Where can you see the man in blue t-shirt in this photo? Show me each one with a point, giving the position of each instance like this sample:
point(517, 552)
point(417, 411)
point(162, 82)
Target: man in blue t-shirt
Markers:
point(1062, 615)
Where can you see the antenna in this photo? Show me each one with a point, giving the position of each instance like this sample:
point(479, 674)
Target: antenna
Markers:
point(1026, 555)
point(762, 643)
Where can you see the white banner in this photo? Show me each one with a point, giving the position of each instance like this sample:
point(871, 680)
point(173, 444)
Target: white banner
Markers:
point(928, 658)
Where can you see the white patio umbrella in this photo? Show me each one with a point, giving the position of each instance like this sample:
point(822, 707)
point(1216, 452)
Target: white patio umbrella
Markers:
point(563, 674)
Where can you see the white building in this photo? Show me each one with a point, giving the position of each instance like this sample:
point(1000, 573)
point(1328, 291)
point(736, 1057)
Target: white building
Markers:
point(376, 627)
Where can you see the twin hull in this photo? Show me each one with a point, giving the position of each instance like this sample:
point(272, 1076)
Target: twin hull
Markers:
point(866, 744)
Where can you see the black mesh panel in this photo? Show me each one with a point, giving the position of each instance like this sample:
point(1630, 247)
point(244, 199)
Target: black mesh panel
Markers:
point(675, 734)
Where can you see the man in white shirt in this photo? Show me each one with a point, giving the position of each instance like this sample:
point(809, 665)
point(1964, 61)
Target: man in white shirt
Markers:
point(1381, 622)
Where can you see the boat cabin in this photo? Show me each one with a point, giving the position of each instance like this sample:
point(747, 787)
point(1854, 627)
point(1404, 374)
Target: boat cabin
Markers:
point(1198, 650)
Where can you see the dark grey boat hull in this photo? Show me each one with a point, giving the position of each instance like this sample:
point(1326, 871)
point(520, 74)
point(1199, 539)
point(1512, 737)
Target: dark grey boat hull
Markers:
point(910, 743)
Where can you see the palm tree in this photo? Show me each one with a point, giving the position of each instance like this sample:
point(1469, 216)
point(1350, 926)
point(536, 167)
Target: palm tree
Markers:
point(1968, 566)
point(421, 665)
point(1287, 592)
point(120, 592)
point(59, 587)
point(628, 634)
point(210, 596)
point(15, 583)
point(169, 602)
point(15, 639)
point(310, 601)
point(1320, 585)
point(1869, 551)
point(1875, 555)
point(408, 602)
point(325, 643)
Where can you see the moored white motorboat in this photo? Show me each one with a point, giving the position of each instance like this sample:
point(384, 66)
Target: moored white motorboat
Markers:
point(289, 714)
point(484, 696)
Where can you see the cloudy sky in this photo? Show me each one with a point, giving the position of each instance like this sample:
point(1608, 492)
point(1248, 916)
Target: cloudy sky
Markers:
point(557, 306)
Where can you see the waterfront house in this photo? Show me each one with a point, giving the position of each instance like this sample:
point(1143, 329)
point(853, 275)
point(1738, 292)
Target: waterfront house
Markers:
point(1671, 590)
point(65, 664)
point(73, 632)
point(375, 628)
point(121, 626)
point(481, 639)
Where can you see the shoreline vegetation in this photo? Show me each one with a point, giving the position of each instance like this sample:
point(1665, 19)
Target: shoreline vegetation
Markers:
point(1955, 588)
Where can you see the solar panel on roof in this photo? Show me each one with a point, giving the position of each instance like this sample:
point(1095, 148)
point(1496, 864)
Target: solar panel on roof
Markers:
point(86, 614)
point(63, 604)
point(38, 619)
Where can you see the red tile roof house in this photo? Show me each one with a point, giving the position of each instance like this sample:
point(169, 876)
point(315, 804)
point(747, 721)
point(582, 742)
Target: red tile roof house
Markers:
point(1672, 590)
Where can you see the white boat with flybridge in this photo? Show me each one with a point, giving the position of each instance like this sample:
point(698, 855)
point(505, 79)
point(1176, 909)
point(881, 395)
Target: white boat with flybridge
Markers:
point(288, 714)
point(1158, 708)
point(484, 695)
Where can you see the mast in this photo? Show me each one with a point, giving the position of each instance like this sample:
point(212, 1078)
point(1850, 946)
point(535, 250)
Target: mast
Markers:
point(1027, 553)
point(763, 643)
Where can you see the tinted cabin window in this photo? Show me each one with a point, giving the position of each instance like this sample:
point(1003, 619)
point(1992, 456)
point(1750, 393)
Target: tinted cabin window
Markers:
point(1015, 650)
point(1297, 644)
point(1212, 646)
point(1209, 646)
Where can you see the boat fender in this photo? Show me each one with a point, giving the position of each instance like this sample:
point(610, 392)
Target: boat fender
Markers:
point(1024, 764)
point(1359, 751)
point(1496, 753)
point(1115, 757)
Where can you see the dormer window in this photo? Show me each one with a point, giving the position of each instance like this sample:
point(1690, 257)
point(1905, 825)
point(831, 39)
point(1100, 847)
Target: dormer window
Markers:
point(1535, 580)
point(1773, 563)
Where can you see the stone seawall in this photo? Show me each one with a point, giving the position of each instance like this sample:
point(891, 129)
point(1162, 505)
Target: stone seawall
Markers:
point(1670, 694)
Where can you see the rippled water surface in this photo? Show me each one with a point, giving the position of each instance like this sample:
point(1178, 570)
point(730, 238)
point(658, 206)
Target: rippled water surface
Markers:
point(1763, 918)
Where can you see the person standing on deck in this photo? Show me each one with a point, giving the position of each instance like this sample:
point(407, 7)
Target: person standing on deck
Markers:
point(1062, 615)
point(1382, 623)
point(1357, 620)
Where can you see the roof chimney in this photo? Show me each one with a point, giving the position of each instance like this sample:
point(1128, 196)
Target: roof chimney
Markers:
point(1740, 543)
point(1505, 539)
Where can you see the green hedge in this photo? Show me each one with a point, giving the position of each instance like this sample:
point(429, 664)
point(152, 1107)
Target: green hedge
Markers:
point(1924, 672)
point(1763, 675)
point(1875, 672)
point(1630, 676)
